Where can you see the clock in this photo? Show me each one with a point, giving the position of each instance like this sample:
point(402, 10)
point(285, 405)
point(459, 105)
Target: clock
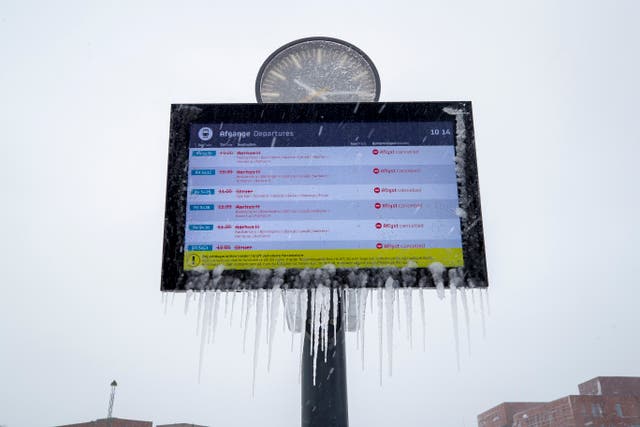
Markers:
point(318, 69)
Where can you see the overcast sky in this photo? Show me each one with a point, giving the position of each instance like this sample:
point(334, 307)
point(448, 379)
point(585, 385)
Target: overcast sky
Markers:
point(85, 92)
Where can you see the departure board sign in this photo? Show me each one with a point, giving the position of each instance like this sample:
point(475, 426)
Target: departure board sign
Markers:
point(295, 186)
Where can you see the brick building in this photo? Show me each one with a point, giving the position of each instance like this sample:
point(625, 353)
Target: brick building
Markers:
point(602, 402)
point(180, 425)
point(120, 422)
point(611, 386)
point(502, 415)
point(112, 422)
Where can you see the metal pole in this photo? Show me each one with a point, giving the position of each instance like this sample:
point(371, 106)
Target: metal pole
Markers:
point(114, 384)
point(325, 403)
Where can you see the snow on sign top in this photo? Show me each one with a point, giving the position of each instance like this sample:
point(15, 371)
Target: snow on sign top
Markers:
point(341, 195)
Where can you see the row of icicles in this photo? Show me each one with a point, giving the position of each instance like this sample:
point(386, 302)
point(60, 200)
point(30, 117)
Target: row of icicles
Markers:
point(323, 305)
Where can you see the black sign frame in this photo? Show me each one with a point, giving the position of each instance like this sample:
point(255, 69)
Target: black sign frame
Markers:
point(175, 278)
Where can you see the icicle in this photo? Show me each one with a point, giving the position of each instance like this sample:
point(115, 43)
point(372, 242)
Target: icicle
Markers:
point(484, 329)
point(335, 315)
point(353, 312)
point(313, 320)
point(205, 327)
point(284, 310)
point(453, 281)
point(226, 304)
point(409, 276)
point(380, 332)
point(268, 304)
point(316, 329)
point(345, 310)
point(361, 320)
point(436, 270)
point(275, 301)
point(233, 304)
point(324, 323)
point(326, 309)
point(187, 299)
point(215, 314)
point(486, 295)
point(173, 297)
point(390, 303)
point(286, 295)
point(250, 298)
point(321, 317)
point(359, 304)
point(408, 303)
point(371, 302)
point(165, 297)
point(463, 297)
point(199, 319)
point(396, 298)
point(209, 319)
point(363, 281)
point(424, 321)
point(290, 301)
point(242, 307)
point(296, 312)
point(216, 296)
point(304, 300)
point(258, 332)
point(473, 299)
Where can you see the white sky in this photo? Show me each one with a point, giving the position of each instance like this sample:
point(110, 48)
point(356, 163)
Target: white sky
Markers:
point(85, 90)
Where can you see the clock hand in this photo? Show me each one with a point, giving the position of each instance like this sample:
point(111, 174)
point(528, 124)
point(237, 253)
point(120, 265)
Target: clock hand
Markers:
point(319, 93)
point(304, 86)
point(347, 92)
point(312, 92)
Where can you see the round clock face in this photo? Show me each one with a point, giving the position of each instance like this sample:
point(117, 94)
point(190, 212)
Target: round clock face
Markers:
point(318, 70)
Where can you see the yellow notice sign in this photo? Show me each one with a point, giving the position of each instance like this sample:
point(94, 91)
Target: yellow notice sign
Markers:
point(341, 258)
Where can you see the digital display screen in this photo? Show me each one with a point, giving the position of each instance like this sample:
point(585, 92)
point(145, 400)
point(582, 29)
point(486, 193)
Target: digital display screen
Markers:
point(367, 188)
point(303, 195)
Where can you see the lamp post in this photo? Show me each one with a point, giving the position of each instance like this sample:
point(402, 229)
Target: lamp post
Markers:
point(112, 397)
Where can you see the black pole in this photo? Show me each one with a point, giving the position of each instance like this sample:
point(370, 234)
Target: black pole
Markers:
point(325, 403)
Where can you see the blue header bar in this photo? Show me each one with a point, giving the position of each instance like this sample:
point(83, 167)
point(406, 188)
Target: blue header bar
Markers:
point(345, 134)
